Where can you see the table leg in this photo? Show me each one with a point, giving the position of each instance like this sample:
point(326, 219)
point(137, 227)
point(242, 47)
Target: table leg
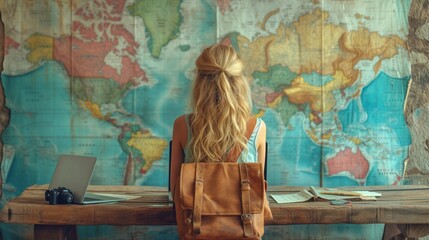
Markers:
point(55, 232)
point(405, 231)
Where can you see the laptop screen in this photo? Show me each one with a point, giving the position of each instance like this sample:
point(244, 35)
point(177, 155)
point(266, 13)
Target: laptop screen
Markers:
point(73, 172)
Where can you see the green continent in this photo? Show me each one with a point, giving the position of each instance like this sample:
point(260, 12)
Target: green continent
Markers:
point(276, 78)
point(97, 90)
point(286, 110)
point(162, 20)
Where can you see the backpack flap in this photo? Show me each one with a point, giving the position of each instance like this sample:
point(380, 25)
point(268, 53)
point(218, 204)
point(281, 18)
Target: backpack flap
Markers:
point(221, 188)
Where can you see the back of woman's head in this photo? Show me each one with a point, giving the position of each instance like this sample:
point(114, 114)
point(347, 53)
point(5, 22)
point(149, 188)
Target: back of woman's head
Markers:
point(221, 104)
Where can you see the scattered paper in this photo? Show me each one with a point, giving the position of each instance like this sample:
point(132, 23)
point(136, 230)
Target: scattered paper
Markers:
point(330, 194)
point(336, 194)
point(301, 196)
point(369, 193)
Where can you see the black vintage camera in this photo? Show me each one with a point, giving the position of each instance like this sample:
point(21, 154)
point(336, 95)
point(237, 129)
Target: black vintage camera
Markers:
point(59, 195)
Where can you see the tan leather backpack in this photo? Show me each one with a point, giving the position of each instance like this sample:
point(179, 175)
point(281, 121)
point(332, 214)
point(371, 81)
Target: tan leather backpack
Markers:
point(224, 200)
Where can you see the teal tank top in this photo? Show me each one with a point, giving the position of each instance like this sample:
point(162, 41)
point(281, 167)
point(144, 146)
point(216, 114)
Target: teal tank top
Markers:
point(246, 156)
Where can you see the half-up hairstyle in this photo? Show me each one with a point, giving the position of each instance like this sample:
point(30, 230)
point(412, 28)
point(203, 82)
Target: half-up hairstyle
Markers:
point(221, 105)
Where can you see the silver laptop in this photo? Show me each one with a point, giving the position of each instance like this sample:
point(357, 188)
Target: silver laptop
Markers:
point(74, 173)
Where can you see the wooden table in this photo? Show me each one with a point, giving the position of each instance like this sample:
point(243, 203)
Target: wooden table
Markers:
point(404, 209)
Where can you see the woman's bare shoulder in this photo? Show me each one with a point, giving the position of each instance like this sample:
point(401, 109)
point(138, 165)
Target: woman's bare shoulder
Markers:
point(180, 131)
point(180, 121)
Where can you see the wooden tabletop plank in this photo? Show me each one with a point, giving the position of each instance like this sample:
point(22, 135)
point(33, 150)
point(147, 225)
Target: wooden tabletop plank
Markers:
point(407, 204)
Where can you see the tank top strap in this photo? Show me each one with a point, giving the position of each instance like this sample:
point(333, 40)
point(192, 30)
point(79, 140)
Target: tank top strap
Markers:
point(251, 155)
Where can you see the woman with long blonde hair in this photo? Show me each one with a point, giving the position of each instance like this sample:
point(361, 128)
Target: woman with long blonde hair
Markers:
point(220, 114)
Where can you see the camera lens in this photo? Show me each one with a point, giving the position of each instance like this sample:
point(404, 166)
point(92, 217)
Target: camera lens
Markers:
point(67, 197)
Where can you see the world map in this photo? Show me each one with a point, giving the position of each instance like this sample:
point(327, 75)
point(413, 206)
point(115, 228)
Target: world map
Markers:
point(108, 78)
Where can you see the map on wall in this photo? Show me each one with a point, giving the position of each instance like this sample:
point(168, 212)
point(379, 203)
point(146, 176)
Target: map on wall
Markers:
point(108, 78)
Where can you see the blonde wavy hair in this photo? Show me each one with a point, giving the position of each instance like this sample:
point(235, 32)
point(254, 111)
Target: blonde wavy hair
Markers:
point(221, 105)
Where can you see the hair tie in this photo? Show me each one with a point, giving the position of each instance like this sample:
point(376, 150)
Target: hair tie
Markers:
point(213, 74)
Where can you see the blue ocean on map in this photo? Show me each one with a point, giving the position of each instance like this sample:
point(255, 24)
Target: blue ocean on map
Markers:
point(42, 127)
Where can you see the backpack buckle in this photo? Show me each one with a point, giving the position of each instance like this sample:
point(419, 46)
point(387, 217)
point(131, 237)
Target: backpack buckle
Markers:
point(246, 216)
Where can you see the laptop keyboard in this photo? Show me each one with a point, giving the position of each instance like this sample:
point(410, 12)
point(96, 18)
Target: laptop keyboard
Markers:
point(95, 197)
point(90, 199)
